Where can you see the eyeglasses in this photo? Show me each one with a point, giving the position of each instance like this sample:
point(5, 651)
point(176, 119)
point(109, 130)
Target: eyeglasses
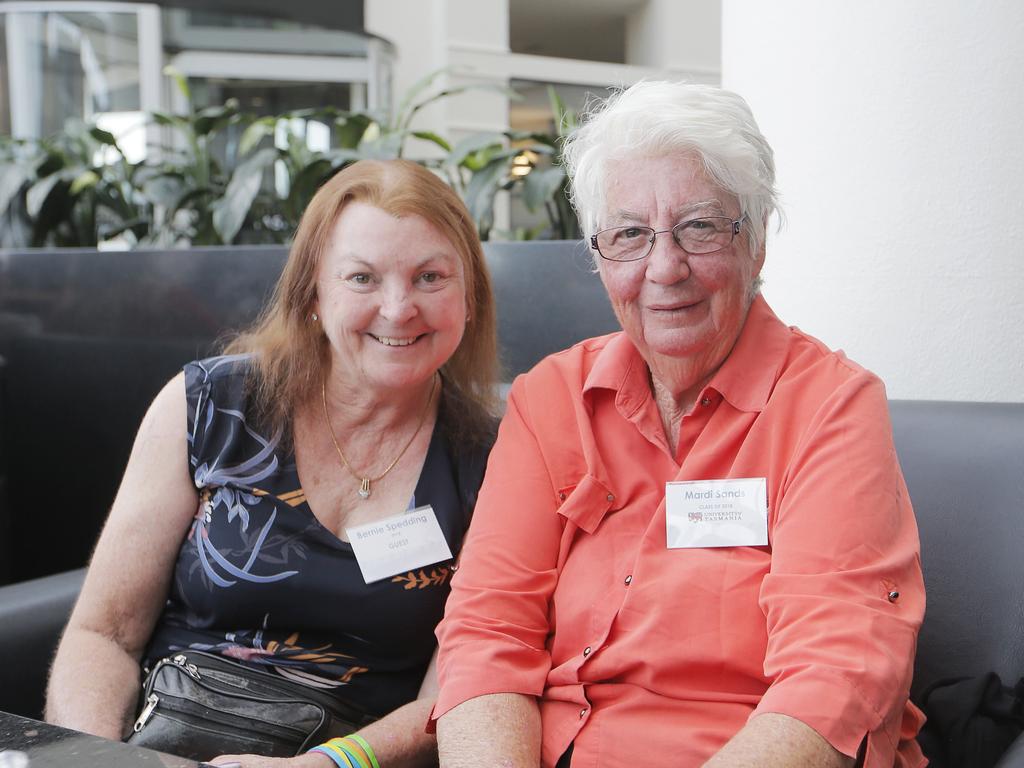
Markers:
point(695, 236)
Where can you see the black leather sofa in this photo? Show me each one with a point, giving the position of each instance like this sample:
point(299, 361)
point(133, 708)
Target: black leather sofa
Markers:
point(963, 462)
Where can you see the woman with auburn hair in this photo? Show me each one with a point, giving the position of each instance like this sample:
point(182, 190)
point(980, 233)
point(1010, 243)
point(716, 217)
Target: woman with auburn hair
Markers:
point(359, 404)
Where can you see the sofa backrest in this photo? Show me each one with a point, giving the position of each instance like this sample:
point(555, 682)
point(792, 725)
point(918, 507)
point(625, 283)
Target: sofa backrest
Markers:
point(91, 337)
point(964, 468)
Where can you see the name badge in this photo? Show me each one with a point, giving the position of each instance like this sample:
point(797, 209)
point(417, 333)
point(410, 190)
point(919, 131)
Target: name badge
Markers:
point(717, 513)
point(398, 544)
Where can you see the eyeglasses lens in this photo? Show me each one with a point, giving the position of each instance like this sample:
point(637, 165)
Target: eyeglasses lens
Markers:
point(696, 236)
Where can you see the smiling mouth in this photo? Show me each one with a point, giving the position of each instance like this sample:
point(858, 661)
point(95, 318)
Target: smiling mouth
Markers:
point(397, 341)
point(675, 307)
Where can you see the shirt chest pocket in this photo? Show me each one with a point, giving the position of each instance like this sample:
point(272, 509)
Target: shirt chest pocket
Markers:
point(586, 503)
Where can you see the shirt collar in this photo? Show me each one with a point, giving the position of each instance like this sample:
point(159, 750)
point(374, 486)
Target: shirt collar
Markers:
point(620, 367)
point(748, 375)
point(745, 379)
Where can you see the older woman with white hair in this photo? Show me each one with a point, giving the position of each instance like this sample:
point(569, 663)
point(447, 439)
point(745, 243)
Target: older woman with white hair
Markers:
point(693, 545)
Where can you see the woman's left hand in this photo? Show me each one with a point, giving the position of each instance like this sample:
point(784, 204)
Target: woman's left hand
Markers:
point(308, 760)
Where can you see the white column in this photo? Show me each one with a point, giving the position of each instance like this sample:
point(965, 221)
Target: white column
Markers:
point(25, 73)
point(416, 28)
point(897, 131)
point(462, 37)
point(680, 35)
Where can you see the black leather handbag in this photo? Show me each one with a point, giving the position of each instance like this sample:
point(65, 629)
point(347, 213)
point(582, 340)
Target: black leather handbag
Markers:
point(199, 705)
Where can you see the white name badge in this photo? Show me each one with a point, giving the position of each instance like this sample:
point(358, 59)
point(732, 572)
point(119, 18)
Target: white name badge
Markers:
point(717, 513)
point(398, 544)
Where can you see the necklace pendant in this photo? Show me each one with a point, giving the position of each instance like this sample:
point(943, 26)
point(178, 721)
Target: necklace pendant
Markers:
point(364, 488)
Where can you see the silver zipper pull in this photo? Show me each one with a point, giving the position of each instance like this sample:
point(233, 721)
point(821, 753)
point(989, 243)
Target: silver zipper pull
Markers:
point(182, 661)
point(147, 712)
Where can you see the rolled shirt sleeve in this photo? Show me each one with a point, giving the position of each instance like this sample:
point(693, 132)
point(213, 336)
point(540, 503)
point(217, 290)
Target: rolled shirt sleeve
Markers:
point(844, 596)
point(493, 637)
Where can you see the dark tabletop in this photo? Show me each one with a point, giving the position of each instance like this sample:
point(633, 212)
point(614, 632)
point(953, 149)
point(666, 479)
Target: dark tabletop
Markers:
point(48, 746)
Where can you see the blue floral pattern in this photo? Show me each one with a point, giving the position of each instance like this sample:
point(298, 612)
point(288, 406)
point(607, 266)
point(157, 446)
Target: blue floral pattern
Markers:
point(259, 579)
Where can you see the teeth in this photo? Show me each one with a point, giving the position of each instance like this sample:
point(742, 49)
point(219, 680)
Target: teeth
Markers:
point(392, 341)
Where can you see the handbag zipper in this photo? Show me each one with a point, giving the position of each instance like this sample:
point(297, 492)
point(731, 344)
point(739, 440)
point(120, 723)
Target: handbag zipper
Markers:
point(189, 710)
point(190, 669)
point(147, 712)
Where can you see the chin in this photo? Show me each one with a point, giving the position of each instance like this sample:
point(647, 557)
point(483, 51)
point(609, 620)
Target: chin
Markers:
point(678, 343)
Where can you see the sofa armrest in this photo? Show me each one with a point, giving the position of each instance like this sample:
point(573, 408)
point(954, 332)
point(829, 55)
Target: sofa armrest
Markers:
point(32, 617)
point(1014, 756)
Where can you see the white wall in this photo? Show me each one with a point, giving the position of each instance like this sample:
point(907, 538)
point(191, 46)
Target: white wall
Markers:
point(899, 136)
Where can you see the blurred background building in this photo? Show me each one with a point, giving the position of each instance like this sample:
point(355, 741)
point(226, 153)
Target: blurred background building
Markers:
point(896, 126)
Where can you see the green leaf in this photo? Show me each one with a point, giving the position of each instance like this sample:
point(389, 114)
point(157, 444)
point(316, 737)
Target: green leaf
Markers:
point(406, 120)
point(103, 137)
point(351, 129)
point(415, 90)
point(38, 192)
point(13, 177)
point(565, 119)
point(212, 119)
point(109, 231)
point(473, 144)
point(387, 147)
point(84, 181)
point(165, 189)
point(174, 121)
point(180, 80)
point(255, 133)
point(540, 185)
point(480, 192)
point(229, 212)
point(433, 137)
point(305, 184)
point(342, 157)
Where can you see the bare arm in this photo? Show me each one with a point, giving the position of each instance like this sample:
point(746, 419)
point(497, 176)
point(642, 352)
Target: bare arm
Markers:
point(778, 741)
point(95, 676)
point(499, 729)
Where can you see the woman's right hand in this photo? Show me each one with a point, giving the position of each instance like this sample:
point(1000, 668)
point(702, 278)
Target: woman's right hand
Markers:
point(308, 760)
point(94, 682)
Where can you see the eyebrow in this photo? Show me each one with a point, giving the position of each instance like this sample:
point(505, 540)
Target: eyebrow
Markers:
point(680, 213)
point(448, 259)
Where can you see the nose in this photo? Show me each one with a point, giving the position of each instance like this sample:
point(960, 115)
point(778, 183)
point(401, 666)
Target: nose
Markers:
point(397, 304)
point(667, 263)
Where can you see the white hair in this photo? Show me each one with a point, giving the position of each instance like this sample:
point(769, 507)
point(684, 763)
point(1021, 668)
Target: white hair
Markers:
point(659, 118)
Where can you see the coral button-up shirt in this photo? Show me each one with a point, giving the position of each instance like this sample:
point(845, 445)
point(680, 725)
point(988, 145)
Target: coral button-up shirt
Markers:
point(640, 654)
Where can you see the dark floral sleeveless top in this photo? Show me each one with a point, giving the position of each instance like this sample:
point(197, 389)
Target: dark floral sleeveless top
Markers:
point(260, 580)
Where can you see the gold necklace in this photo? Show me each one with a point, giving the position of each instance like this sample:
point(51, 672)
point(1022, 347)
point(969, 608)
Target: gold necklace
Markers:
point(365, 482)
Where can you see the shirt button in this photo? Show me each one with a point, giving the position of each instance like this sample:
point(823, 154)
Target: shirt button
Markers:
point(610, 497)
point(583, 713)
point(628, 580)
point(586, 651)
point(894, 596)
point(561, 496)
point(705, 401)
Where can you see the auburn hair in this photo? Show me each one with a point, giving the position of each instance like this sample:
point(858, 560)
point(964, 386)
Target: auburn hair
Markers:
point(291, 353)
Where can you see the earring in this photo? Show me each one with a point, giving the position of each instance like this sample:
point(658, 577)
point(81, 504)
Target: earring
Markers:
point(315, 317)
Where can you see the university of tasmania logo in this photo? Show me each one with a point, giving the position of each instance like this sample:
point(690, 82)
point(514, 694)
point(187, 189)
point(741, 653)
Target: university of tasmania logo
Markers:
point(695, 517)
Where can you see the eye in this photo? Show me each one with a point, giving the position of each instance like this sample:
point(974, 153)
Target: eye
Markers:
point(360, 278)
point(632, 232)
point(700, 224)
point(430, 277)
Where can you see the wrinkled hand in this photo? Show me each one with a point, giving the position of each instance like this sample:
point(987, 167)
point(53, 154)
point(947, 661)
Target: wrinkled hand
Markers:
point(315, 760)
